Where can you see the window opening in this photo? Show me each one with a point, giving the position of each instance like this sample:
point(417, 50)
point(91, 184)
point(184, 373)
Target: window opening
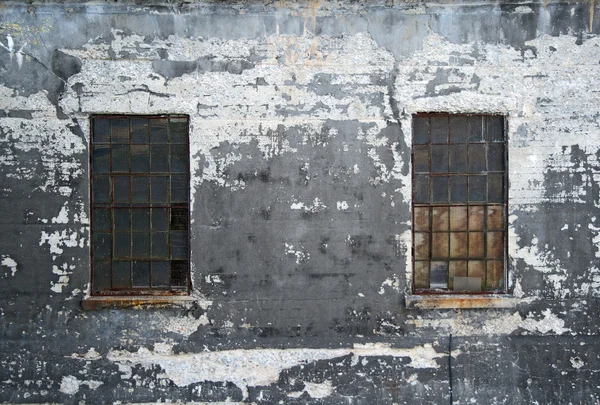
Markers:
point(459, 203)
point(139, 202)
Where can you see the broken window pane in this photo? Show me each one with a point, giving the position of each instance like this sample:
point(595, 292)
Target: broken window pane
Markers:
point(438, 275)
point(178, 273)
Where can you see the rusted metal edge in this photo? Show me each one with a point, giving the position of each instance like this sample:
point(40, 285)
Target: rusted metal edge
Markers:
point(460, 301)
point(136, 302)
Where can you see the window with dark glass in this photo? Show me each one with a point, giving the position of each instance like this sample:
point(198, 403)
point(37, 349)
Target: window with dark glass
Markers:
point(139, 204)
point(459, 203)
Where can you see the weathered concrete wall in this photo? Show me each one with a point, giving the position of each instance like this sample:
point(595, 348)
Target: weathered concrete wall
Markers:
point(300, 120)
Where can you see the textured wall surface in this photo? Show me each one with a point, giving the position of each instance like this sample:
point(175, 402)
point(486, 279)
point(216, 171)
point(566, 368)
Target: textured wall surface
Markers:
point(300, 134)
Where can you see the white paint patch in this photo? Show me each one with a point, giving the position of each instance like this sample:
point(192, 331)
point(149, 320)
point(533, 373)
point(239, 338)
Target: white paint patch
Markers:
point(301, 255)
point(59, 239)
point(7, 261)
point(248, 368)
point(392, 282)
point(576, 362)
point(69, 385)
point(342, 205)
point(63, 216)
point(319, 390)
point(316, 206)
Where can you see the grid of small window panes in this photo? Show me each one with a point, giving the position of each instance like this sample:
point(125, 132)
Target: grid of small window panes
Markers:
point(140, 209)
point(459, 203)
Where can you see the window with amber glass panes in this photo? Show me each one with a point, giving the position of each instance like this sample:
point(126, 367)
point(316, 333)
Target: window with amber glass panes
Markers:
point(459, 164)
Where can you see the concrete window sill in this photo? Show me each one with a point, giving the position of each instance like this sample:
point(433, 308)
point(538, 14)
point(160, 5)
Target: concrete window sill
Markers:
point(456, 301)
point(136, 302)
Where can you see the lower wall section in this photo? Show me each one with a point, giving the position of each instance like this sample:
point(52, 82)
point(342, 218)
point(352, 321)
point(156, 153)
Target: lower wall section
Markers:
point(516, 370)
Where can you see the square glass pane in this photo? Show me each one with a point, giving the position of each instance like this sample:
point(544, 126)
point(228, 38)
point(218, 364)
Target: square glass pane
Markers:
point(420, 130)
point(494, 275)
point(457, 268)
point(458, 128)
point(101, 130)
point(139, 130)
point(140, 219)
point(101, 159)
point(477, 157)
point(421, 276)
point(121, 189)
point(120, 130)
point(158, 189)
point(458, 245)
point(458, 218)
point(179, 219)
point(495, 188)
point(140, 189)
point(101, 245)
point(495, 244)
point(476, 245)
point(179, 245)
point(476, 268)
point(101, 219)
point(421, 189)
point(179, 189)
point(421, 219)
point(476, 218)
point(439, 189)
point(496, 157)
point(439, 245)
point(438, 275)
point(421, 246)
point(495, 218)
point(102, 277)
point(102, 189)
point(495, 128)
point(179, 273)
point(476, 128)
point(159, 130)
point(160, 273)
point(439, 129)
point(141, 274)
point(458, 158)
point(141, 245)
point(121, 275)
point(439, 218)
point(178, 130)
point(421, 158)
point(159, 219)
point(122, 245)
point(120, 158)
point(140, 158)
point(160, 245)
point(458, 189)
point(179, 158)
point(159, 158)
point(477, 186)
point(121, 219)
point(439, 158)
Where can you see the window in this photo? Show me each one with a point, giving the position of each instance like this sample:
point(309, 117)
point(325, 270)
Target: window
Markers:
point(459, 203)
point(140, 210)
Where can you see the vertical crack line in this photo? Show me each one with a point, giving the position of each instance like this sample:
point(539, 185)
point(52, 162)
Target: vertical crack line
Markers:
point(450, 368)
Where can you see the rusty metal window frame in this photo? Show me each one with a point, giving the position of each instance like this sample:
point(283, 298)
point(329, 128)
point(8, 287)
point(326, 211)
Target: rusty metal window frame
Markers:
point(459, 229)
point(139, 193)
